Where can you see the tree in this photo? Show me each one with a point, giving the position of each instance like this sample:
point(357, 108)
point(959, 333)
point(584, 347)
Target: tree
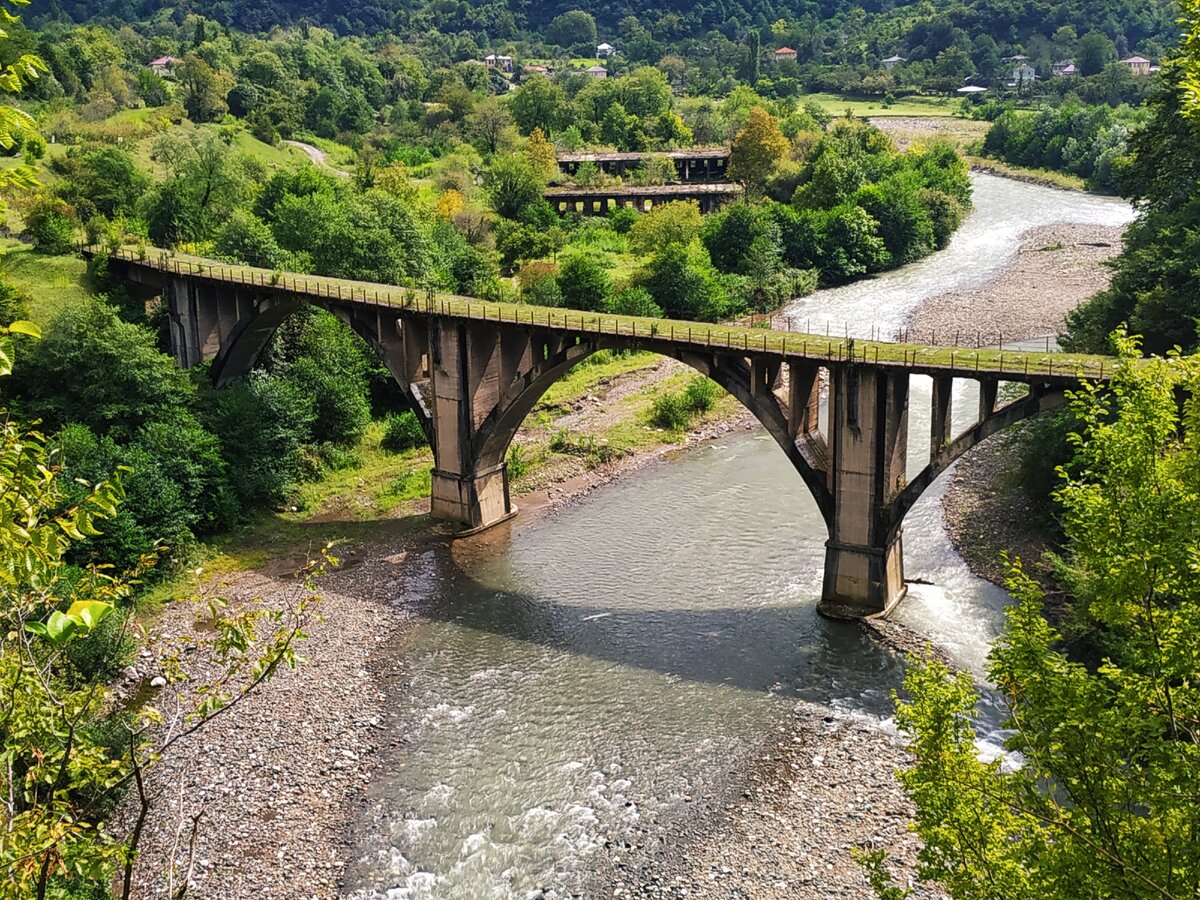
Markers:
point(541, 155)
point(491, 126)
point(1156, 286)
point(1191, 59)
point(850, 244)
point(538, 103)
point(583, 284)
point(574, 28)
point(51, 224)
point(513, 186)
point(757, 149)
point(204, 89)
point(119, 381)
point(109, 179)
point(1095, 51)
point(729, 233)
point(682, 283)
point(677, 222)
point(1103, 804)
point(247, 240)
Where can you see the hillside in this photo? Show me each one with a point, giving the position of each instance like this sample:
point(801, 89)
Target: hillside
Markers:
point(1129, 22)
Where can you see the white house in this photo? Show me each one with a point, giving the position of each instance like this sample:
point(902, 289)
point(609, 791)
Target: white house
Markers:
point(1023, 74)
point(503, 63)
point(605, 51)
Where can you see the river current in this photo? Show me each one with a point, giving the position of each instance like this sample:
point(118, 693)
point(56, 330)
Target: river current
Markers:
point(575, 678)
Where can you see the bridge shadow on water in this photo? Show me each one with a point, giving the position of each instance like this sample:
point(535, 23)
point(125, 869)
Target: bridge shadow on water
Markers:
point(475, 603)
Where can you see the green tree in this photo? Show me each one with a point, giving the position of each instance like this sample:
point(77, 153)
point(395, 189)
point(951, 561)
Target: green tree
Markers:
point(583, 283)
point(850, 244)
point(109, 179)
point(1095, 51)
point(491, 126)
point(681, 281)
point(95, 370)
point(1191, 59)
point(51, 224)
point(513, 186)
point(677, 222)
point(574, 28)
point(757, 149)
point(1156, 285)
point(538, 103)
point(203, 87)
point(1104, 803)
point(245, 239)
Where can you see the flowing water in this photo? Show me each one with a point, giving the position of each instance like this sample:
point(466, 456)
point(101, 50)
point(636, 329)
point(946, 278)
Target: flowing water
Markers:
point(589, 673)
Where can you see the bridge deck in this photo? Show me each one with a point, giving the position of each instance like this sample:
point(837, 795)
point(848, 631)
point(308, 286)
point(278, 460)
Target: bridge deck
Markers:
point(653, 334)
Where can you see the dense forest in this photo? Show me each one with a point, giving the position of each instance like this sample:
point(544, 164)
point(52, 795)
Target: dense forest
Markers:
point(1002, 20)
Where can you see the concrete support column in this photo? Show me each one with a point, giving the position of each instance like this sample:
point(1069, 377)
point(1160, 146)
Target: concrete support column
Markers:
point(939, 431)
point(466, 372)
point(864, 563)
point(201, 317)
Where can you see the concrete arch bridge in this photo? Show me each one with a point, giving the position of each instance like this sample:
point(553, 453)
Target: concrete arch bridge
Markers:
point(472, 370)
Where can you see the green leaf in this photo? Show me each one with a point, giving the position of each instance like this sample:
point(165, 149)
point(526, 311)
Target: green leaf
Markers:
point(23, 327)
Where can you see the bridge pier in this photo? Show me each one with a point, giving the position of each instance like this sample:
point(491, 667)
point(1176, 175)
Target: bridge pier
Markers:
point(868, 450)
point(467, 371)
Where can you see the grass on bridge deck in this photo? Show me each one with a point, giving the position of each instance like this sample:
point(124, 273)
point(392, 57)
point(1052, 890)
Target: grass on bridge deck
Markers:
point(1011, 365)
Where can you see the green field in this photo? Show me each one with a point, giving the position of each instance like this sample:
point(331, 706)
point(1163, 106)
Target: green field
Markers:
point(52, 283)
point(907, 107)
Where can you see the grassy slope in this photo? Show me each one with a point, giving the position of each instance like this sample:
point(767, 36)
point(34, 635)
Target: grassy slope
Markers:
point(919, 107)
point(52, 283)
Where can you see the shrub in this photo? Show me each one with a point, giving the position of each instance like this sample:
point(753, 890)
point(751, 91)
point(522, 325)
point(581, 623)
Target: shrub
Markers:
point(677, 222)
point(13, 304)
point(583, 283)
point(701, 394)
point(518, 465)
point(50, 224)
point(623, 218)
point(670, 411)
point(339, 401)
point(401, 432)
point(634, 301)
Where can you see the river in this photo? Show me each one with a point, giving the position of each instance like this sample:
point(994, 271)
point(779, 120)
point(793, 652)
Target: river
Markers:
point(591, 672)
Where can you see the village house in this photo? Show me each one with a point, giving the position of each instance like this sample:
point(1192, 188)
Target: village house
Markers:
point(605, 51)
point(597, 71)
point(785, 53)
point(1064, 69)
point(503, 63)
point(892, 61)
point(1138, 65)
point(537, 70)
point(1022, 74)
point(164, 65)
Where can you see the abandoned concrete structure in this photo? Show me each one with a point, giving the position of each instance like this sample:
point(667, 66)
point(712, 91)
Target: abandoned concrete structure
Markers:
point(696, 164)
point(599, 201)
point(473, 371)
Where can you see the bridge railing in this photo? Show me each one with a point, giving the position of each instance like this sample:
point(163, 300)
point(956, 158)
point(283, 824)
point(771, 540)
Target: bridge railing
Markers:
point(1013, 365)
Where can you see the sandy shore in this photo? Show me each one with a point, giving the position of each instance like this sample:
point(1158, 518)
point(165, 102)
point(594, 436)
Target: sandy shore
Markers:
point(279, 777)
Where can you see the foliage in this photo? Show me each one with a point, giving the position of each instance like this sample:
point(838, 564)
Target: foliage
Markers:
point(634, 301)
point(513, 186)
point(682, 282)
point(1086, 141)
point(675, 410)
point(1156, 286)
point(64, 630)
point(1103, 804)
point(1191, 58)
point(583, 283)
point(677, 222)
point(756, 150)
point(402, 431)
point(51, 224)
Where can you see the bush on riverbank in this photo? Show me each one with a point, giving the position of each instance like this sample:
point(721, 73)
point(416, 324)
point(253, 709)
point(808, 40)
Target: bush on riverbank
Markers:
point(676, 410)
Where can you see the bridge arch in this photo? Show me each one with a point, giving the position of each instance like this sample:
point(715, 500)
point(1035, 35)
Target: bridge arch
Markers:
point(252, 332)
point(495, 434)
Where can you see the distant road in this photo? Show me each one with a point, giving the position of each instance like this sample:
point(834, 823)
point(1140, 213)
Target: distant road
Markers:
point(318, 156)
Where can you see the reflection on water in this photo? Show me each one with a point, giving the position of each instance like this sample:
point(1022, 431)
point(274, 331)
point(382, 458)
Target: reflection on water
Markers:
point(589, 673)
